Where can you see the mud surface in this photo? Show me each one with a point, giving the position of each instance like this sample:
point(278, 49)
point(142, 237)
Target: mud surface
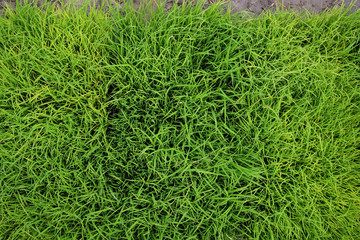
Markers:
point(253, 6)
point(257, 6)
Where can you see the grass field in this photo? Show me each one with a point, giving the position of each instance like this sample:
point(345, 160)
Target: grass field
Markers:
point(195, 125)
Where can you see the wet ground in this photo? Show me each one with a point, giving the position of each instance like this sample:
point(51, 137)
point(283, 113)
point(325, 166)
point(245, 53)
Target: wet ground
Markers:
point(254, 6)
point(257, 6)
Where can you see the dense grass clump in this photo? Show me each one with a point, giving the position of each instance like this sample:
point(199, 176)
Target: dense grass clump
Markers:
point(193, 125)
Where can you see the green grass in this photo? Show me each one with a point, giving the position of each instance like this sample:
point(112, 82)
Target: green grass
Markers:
point(195, 125)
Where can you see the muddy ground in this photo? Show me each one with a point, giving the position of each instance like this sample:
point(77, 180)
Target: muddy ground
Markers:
point(257, 6)
point(253, 6)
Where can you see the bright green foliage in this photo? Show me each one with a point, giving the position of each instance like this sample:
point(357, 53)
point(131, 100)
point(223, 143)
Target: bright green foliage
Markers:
point(194, 125)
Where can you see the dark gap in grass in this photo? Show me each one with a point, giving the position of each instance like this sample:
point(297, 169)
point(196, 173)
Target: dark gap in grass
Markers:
point(111, 109)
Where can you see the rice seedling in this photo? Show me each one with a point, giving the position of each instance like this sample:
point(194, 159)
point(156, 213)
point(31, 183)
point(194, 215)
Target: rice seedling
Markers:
point(189, 124)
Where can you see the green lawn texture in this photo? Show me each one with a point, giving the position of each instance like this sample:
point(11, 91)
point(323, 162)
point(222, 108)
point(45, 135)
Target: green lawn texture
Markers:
point(194, 125)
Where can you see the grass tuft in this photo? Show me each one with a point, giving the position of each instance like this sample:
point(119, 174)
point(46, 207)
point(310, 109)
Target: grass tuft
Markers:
point(179, 124)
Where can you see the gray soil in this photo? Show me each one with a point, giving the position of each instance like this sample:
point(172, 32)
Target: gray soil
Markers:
point(257, 6)
point(252, 6)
